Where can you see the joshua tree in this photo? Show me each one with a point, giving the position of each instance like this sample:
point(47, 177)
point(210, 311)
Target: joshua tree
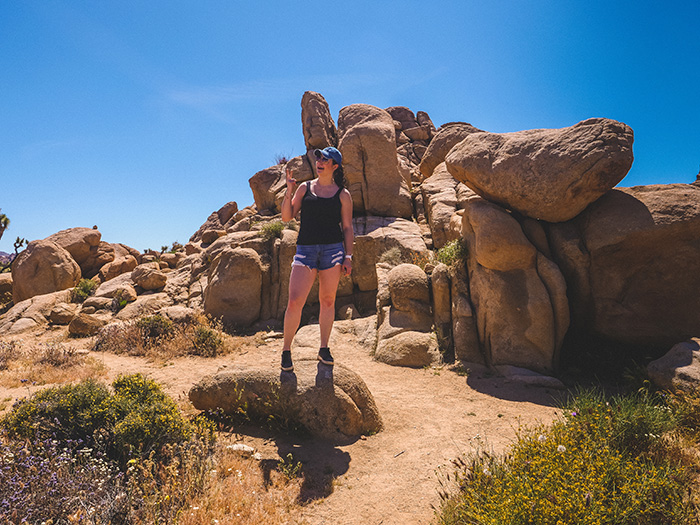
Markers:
point(4, 223)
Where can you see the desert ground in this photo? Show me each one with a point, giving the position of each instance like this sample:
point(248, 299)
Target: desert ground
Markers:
point(430, 416)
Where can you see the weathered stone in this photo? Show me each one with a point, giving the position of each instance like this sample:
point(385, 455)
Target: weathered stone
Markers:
point(266, 184)
point(63, 313)
point(367, 141)
point(149, 276)
point(443, 141)
point(43, 267)
point(84, 325)
point(409, 289)
point(331, 402)
point(317, 124)
point(117, 267)
point(79, 242)
point(679, 368)
point(631, 264)
point(409, 349)
point(145, 305)
point(235, 284)
point(217, 220)
point(548, 174)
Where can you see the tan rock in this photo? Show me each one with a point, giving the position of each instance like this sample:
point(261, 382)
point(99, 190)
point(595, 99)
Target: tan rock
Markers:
point(219, 220)
point(63, 313)
point(117, 267)
point(679, 369)
point(79, 242)
point(84, 325)
point(317, 124)
point(145, 305)
point(149, 276)
point(631, 264)
point(43, 267)
point(330, 402)
point(31, 313)
point(409, 289)
point(234, 287)
point(409, 349)
point(266, 184)
point(548, 174)
point(5, 283)
point(443, 141)
point(367, 141)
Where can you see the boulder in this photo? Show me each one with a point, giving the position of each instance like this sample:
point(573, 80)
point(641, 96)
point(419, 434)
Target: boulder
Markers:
point(81, 243)
point(465, 338)
point(219, 220)
point(443, 141)
point(100, 255)
point(31, 313)
point(211, 236)
point(63, 313)
point(118, 266)
point(440, 200)
point(43, 267)
point(547, 174)
point(5, 284)
point(518, 295)
point(408, 287)
point(149, 276)
point(266, 184)
point(679, 368)
point(409, 349)
point(631, 265)
point(145, 305)
point(331, 402)
point(234, 287)
point(85, 325)
point(367, 141)
point(317, 124)
point(374, 236)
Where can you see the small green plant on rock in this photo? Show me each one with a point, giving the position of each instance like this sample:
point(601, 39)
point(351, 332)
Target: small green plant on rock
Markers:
point(452, 253)
point(84, 289)
point(272, 230)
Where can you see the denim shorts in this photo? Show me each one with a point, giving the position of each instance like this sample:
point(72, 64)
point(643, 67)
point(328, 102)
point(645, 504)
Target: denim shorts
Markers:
point(319, 256)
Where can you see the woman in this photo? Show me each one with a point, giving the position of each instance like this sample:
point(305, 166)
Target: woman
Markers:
point(324, 247)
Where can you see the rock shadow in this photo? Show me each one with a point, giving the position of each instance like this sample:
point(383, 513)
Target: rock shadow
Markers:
point(509, 390)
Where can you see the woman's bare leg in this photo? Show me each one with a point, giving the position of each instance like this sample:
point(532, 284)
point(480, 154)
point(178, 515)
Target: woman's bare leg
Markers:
point(327, 288)
point(300, 282)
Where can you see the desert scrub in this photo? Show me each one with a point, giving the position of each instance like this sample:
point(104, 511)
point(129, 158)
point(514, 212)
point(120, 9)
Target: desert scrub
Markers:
point(136, 417)
point(46, 480)
point(155, 328)
point(392, 257)
point(273, 229)
point(44, 363)
point(84, 289)
point(158, 337)
point(454, 252)
point(605, 462)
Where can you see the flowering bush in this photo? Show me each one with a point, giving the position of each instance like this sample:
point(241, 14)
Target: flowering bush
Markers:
point(605, 462)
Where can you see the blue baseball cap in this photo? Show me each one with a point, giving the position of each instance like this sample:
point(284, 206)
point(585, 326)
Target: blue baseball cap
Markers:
point(329, 153)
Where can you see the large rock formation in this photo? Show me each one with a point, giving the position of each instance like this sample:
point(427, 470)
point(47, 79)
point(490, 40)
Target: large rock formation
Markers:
point(331, 402)
point(43, 267)
point(519, 295)
point(631, 263)
point(367, 141)
point(444, 140)
point(548, 174)
point(316, 122)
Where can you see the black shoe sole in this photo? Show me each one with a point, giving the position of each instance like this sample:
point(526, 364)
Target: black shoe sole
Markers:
point(329, 363)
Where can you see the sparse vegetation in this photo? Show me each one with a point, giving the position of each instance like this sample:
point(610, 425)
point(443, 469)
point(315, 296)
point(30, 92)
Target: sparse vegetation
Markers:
point(392, 257)
point(84, 289)
point(452, 253)
point(158, 336)
point(273, 229)
point(607, 461)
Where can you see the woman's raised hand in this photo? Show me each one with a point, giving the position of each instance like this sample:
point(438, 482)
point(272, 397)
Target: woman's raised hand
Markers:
point(291, 182)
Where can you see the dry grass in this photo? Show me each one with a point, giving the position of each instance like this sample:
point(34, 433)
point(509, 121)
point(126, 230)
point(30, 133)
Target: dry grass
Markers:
point(155, 337)
point(45, 363)
point(241, 491)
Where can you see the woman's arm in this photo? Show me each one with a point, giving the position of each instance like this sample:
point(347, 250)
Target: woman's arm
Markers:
point(348, 233)
point(291, 204)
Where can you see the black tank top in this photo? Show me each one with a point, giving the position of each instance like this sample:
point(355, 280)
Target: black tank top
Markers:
point(320, 219)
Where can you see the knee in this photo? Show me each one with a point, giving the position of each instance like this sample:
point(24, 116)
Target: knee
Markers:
point(296, 302)
point(327, 301)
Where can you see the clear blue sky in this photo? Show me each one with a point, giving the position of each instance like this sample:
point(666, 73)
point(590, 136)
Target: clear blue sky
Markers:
point(143, 117)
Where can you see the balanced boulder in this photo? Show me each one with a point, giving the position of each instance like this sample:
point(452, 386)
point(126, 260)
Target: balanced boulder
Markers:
point(548, 174)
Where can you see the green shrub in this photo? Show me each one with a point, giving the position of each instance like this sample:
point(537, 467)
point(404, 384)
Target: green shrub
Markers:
point(452, 253)
point(272, 230)
point(64, 412)
point(606, 462)
point(155, 327)
point(392, 256)
point(206, 341)
point(137, 417)
point(84, 289)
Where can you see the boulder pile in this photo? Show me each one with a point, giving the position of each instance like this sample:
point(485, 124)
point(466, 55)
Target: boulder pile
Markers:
point(549, 246)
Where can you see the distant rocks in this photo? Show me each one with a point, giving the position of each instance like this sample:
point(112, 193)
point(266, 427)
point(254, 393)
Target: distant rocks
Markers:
point(43, 267)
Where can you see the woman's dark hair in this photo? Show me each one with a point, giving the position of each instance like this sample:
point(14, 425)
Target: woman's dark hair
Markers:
point(339, 176)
